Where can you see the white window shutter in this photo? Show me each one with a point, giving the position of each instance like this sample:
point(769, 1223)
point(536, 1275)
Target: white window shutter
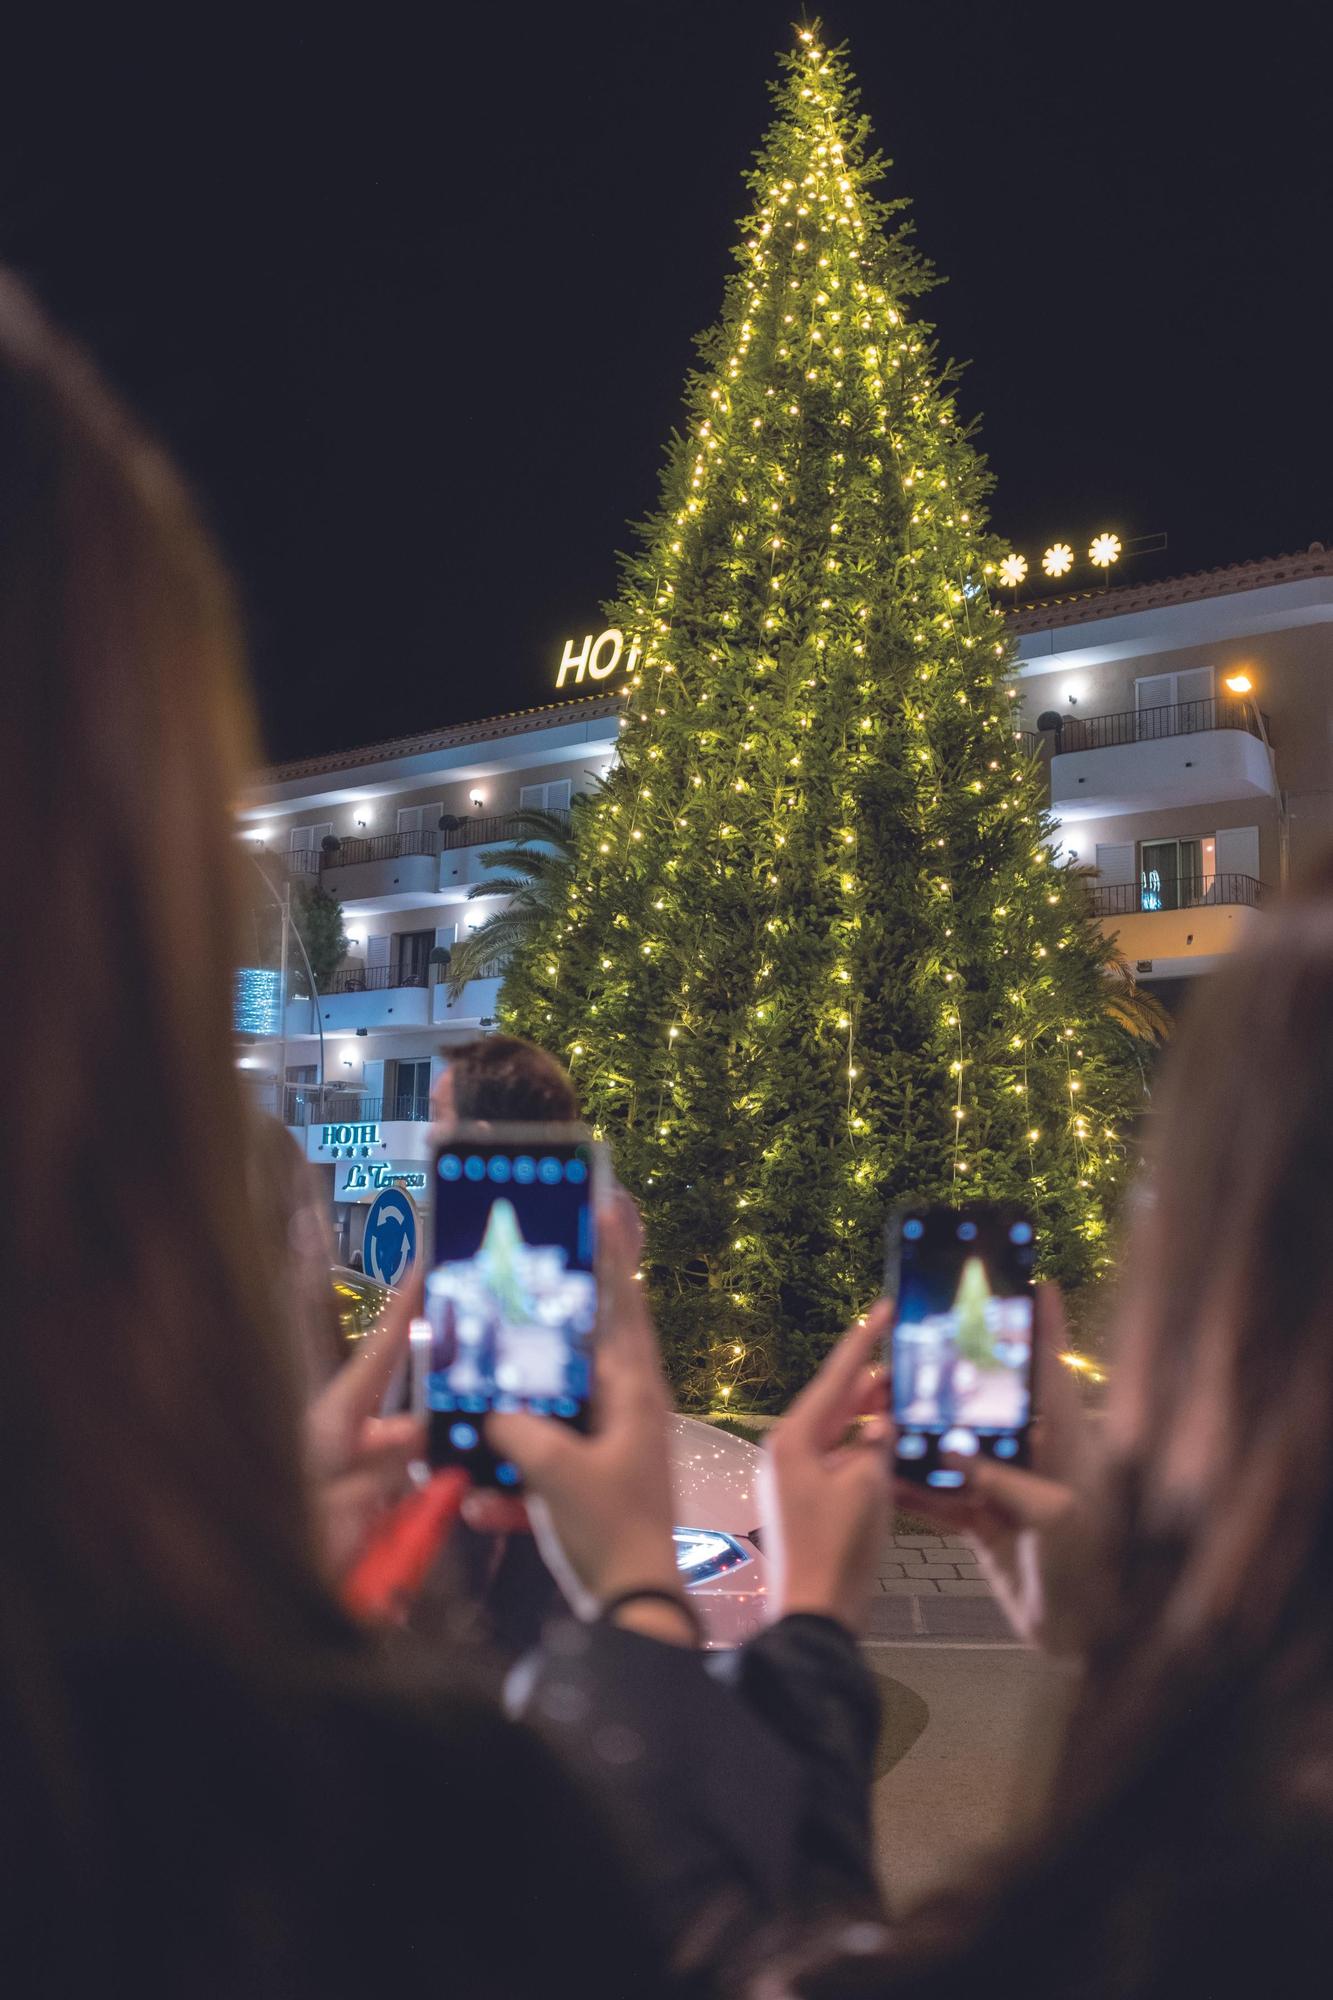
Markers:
point(557, 796)
point(372, 1075)
point(377, 950)
point(1194, 684)
point(1238, 851)
point(1154, 691)
point(532, 795)
point(446, 934)
point(409, 819)
point(1115, 864)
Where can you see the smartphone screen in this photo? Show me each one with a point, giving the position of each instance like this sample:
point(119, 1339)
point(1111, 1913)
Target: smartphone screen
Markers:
point(511, 1294)
point(962, 1338)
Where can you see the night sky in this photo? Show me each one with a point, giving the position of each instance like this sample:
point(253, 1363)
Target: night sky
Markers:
point(411, 294)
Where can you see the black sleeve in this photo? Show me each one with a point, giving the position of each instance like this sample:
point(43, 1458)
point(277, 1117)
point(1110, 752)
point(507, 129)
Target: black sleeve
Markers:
point(743, 1805)
point(804, 1679)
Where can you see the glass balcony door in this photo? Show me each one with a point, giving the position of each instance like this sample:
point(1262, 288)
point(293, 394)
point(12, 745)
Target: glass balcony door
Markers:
point(1170, 874)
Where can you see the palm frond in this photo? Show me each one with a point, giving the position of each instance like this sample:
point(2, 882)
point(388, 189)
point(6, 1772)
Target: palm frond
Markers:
point(505, 933)
point(500, 885)
point(1139, 1013)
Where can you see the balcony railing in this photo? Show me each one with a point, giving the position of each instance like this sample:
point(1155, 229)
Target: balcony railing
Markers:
point(485, 832)
point(302, 860)
point(385, 978)
point(1147, 725)
point(382, 847)
point(305, 1104)
point(1191, 892)
point(374, 978)
point(479, 831)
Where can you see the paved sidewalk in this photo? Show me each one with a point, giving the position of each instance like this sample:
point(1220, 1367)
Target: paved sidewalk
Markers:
point(969, 1735)
point(931, 1587)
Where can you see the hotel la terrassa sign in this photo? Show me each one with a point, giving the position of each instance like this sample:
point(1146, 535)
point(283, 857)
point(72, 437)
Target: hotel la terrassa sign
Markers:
point(597, 657)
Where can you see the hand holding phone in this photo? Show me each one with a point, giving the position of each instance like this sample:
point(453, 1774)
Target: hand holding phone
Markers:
point(511, 1289)
point(962, 1338)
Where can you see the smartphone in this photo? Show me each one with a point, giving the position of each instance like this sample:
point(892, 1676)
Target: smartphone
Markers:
point(961, 1346)
point(511, 1288)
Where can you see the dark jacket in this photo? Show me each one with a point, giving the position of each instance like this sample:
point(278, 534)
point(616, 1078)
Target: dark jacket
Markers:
point(739, 1784)
point(183, 1831)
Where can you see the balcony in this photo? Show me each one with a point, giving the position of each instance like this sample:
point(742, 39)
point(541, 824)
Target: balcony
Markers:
point(400, 871)
point(365, 996)
point(461, 850)
point(475, 1004)
point(1191, 753)
point(1183, 927)
point(395, 871)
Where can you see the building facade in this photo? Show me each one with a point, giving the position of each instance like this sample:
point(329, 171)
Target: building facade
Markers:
point(396, 831)
point(1186, 726)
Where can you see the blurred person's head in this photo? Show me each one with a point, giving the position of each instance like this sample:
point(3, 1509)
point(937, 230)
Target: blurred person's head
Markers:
point(502, 1080)
point(1220, 1418)
point(148, 1450)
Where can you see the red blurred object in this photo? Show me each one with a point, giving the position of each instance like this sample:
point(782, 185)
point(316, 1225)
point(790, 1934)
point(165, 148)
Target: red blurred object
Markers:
point(394, 1567)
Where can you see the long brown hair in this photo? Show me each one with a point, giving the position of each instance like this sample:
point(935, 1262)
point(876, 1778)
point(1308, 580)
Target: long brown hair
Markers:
point(149, 1463)
point(1190, 1816)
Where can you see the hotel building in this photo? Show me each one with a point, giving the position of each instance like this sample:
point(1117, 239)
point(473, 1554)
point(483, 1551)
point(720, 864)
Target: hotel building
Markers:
point(1186, 726)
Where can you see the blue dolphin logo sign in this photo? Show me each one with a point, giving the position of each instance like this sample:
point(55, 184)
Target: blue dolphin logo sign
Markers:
point(390, 1241)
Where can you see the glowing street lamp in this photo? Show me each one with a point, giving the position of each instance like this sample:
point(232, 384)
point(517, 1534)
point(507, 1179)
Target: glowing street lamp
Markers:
point(1238, 683)
point(1013, 570)
point(1058, 559)
point(1105, 550)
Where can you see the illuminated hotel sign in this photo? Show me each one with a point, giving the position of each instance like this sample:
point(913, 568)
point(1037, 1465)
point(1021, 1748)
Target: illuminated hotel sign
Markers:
point(348, 1139)
point(597, 658)
point(357, 1179)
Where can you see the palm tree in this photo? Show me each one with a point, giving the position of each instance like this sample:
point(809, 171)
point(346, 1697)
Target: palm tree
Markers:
point(534, 871)
point(1139, 1013)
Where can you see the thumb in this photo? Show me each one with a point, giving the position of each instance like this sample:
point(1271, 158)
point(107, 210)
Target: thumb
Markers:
point(1023, 1499)
point(537, 1446)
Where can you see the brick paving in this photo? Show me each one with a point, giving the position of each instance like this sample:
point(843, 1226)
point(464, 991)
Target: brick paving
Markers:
point(922, 1579)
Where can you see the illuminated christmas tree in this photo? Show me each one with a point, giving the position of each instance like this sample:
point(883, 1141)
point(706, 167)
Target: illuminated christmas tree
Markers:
point(815, 955)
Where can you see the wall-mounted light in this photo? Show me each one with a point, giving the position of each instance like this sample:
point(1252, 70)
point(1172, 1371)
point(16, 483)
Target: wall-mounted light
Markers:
point(477, 799)
point(361, 822)
point(1073, 854)
point(1071, 699)
point(1239, 683)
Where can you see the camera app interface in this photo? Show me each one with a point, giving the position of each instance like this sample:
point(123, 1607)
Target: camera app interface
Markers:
point(511, 1298)
point(962, 1341)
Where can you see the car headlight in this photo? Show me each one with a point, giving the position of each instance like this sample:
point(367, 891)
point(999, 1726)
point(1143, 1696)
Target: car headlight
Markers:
point(703, 1553)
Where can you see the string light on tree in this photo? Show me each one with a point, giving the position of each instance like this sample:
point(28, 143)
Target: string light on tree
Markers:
point(795, 1021)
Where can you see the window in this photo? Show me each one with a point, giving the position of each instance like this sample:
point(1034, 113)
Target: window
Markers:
point(1171, 874)
point(1170, 704)
point(411, 957)
point(302, 839)
point(408, 1091)
point(550, 798)
point(301, 1092)
point(420, 819)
